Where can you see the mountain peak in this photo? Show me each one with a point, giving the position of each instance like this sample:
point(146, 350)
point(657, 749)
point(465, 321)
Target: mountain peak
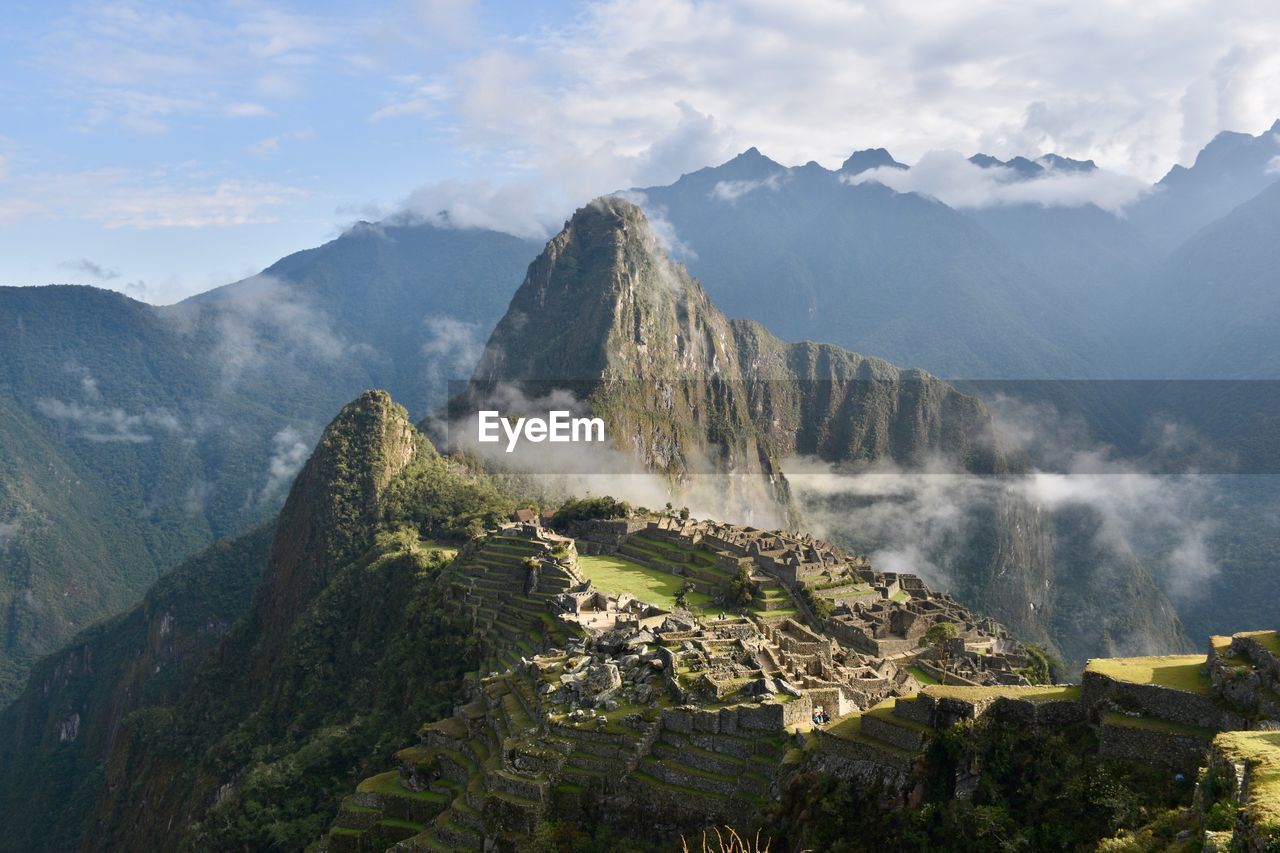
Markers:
point(1020, 166)
point(333, 502)
point(1067, 164)
point(603, 292)
point(870, 158)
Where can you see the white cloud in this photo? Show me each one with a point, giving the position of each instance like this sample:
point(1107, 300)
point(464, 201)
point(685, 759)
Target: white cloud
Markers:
point(270, 146)
point(454, 347)
point(122, 198)
point(504, 106)
point(92, 268)
point(1273, 167)
point(264, 324)
point(110, 424)
point(421, 100)
point(289, 453)
point(247, 110)
point(949, 177)
point(731, 191)
point(8, 529)
point(625, 94)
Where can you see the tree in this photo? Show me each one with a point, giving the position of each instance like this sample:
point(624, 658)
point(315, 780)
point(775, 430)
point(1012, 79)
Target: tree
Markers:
point(682, 594)
point(936, 639)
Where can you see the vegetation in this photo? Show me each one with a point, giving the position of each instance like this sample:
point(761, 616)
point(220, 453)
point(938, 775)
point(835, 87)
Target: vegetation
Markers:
point(740, 590)
point(820, 607)
point(1033, 793)
point(586, 509)
point(936, 639)
point(444, 499)
point(1181, 672)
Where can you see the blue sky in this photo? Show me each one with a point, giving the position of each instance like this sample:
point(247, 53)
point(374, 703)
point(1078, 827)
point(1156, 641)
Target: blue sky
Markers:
point(165, 148)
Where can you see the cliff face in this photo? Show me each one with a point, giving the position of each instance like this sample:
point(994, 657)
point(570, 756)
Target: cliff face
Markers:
point(604, 312)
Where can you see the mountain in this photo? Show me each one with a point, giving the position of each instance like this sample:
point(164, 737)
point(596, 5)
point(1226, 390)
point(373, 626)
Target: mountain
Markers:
point(605, 308)
point(869, 158)
point(1230, 170)
point(293, 646)
point(685, 391)
point(1212, 308)
point(895, 275)
point(1025, 169)
point(258, 695)
point(131, 435)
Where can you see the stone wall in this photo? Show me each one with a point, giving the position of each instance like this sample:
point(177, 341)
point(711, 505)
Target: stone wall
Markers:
point(1098, 692)
point(1181, 752)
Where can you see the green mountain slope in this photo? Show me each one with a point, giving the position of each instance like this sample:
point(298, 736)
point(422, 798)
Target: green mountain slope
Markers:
point(131, 436)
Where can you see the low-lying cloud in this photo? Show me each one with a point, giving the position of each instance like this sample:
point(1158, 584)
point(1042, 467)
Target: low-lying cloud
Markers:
point(952, 179)
point(289, 454)
point(731, 191)
point(111, 424)
point(559, 471)
point(264, 323)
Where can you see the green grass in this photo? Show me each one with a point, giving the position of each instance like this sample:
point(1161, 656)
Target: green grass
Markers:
point(617, 575)
point(388, 784)
point(1153, 725)
point(1269, 640)
point(1261, 750)
point(921, 676)
point(1033, 693)
point(1179, 672)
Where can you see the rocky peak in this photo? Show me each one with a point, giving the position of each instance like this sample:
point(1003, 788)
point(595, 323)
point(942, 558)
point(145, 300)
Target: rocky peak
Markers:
point(604, 300)
point(869, 158)
point(1053, 162)
point(331, 507)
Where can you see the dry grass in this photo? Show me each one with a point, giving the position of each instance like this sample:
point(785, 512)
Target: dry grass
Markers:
point(728, 841)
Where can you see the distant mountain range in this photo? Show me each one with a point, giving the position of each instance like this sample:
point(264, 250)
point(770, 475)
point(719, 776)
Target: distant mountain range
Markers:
point(131, 435)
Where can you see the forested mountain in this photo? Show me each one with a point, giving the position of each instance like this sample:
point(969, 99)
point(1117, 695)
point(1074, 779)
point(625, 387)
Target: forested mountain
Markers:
point(132, 435)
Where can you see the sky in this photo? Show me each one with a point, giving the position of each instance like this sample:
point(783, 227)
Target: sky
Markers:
point(161, 149)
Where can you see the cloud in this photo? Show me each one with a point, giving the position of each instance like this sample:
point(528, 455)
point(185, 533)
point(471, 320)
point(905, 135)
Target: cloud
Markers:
point(452, 346)
point(247, 109)
point(1273, 167)
point(422, 100)
point(143, 66)
point(564, 173)
point(88, 384)
point(196, 498)
point(124, 198)
point(558, 471)
point(97, 270)
point(264, 324)
point(110, 424)
point(270, 146)
point(8, 529)
point(289, 453)
point(949, 177)
point(731, 191)
point(662, 233)
point(518, 209)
